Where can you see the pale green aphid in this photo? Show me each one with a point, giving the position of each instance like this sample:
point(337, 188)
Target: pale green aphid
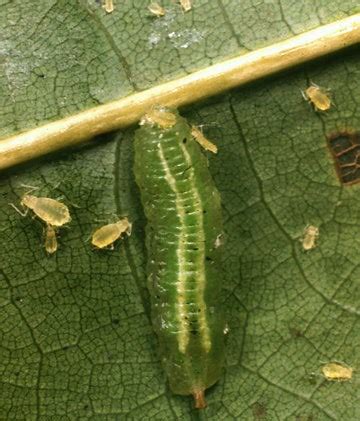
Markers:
point(318, 96)
point(156, 9)
point(108, 6)
point(337, 371)
point(106, 235)
point(183, 238)
point(311, 234)
point(186, 5)
point(48, 210)
point(203, 141)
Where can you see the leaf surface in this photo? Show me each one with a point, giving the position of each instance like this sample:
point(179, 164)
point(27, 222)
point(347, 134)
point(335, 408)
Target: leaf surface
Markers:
point(76, 338)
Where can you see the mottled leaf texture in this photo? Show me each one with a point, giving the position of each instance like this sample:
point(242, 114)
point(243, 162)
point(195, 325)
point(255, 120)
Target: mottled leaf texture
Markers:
point(76, 341)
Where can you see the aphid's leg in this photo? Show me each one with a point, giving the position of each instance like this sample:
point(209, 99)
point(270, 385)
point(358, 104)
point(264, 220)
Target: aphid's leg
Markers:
point(87, 239)
point(129, 230)
point(23, 213)
point(304, 95)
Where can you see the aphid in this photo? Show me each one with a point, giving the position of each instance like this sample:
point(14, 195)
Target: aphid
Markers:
point(156, 9)
point(163, 118)
point(182, 206)
point(337, 371)
point(186, 5)
point(108, 6)
point(48, 210)
point(311, 233)
point(319, 97)
point(105, 236)
point(201, 139)
point(50, 239)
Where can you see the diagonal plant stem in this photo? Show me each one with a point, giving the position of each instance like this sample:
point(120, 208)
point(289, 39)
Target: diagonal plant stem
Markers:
point(212, 80)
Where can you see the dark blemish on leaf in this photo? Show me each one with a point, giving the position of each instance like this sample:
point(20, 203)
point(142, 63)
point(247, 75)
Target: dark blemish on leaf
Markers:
point(345, 149)
point(312, 379)
point(259, 411)
point(296, 333)
point(304, 418)
point(209, 259)
point(115, 321)
point(184, 140)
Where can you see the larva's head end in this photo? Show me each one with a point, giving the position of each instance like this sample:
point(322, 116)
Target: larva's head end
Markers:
point(199, 398)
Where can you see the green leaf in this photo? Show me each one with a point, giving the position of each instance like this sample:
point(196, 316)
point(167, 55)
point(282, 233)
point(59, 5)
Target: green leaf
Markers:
point(76, 338)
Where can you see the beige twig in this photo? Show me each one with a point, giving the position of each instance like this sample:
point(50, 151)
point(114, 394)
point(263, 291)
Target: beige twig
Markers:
point(212, 80)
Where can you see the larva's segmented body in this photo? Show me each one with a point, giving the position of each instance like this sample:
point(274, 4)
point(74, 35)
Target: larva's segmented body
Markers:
point(182, 206)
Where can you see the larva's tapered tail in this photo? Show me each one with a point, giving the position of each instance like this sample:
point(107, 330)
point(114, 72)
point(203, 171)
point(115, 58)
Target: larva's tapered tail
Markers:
point(199, 399)
point(184, 245)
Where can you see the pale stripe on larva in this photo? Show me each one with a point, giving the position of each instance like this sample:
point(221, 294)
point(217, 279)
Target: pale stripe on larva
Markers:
point(181, 252)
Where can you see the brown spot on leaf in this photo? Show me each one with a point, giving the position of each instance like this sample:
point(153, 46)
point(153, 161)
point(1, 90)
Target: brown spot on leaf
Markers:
point(345, 148)
point(296, 333)
point(304, 418)
point(259, 411)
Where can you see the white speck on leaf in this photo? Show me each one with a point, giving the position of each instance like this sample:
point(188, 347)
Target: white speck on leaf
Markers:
point(154, 39)
point(167, 29)
point(185, 38)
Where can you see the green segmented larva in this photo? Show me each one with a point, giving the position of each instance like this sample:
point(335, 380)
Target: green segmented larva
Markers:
point(182, 206)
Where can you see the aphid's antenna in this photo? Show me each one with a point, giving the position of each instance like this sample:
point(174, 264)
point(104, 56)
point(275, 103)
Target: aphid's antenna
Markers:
point(23, 213)
point(27, 186)
point(314, 84)
point(214, 123)
point(87, 239)
point(121, 216)
point(62, 198)
point(107, 218)
point(32, 188)
point(74, 205)
point(57, 185)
